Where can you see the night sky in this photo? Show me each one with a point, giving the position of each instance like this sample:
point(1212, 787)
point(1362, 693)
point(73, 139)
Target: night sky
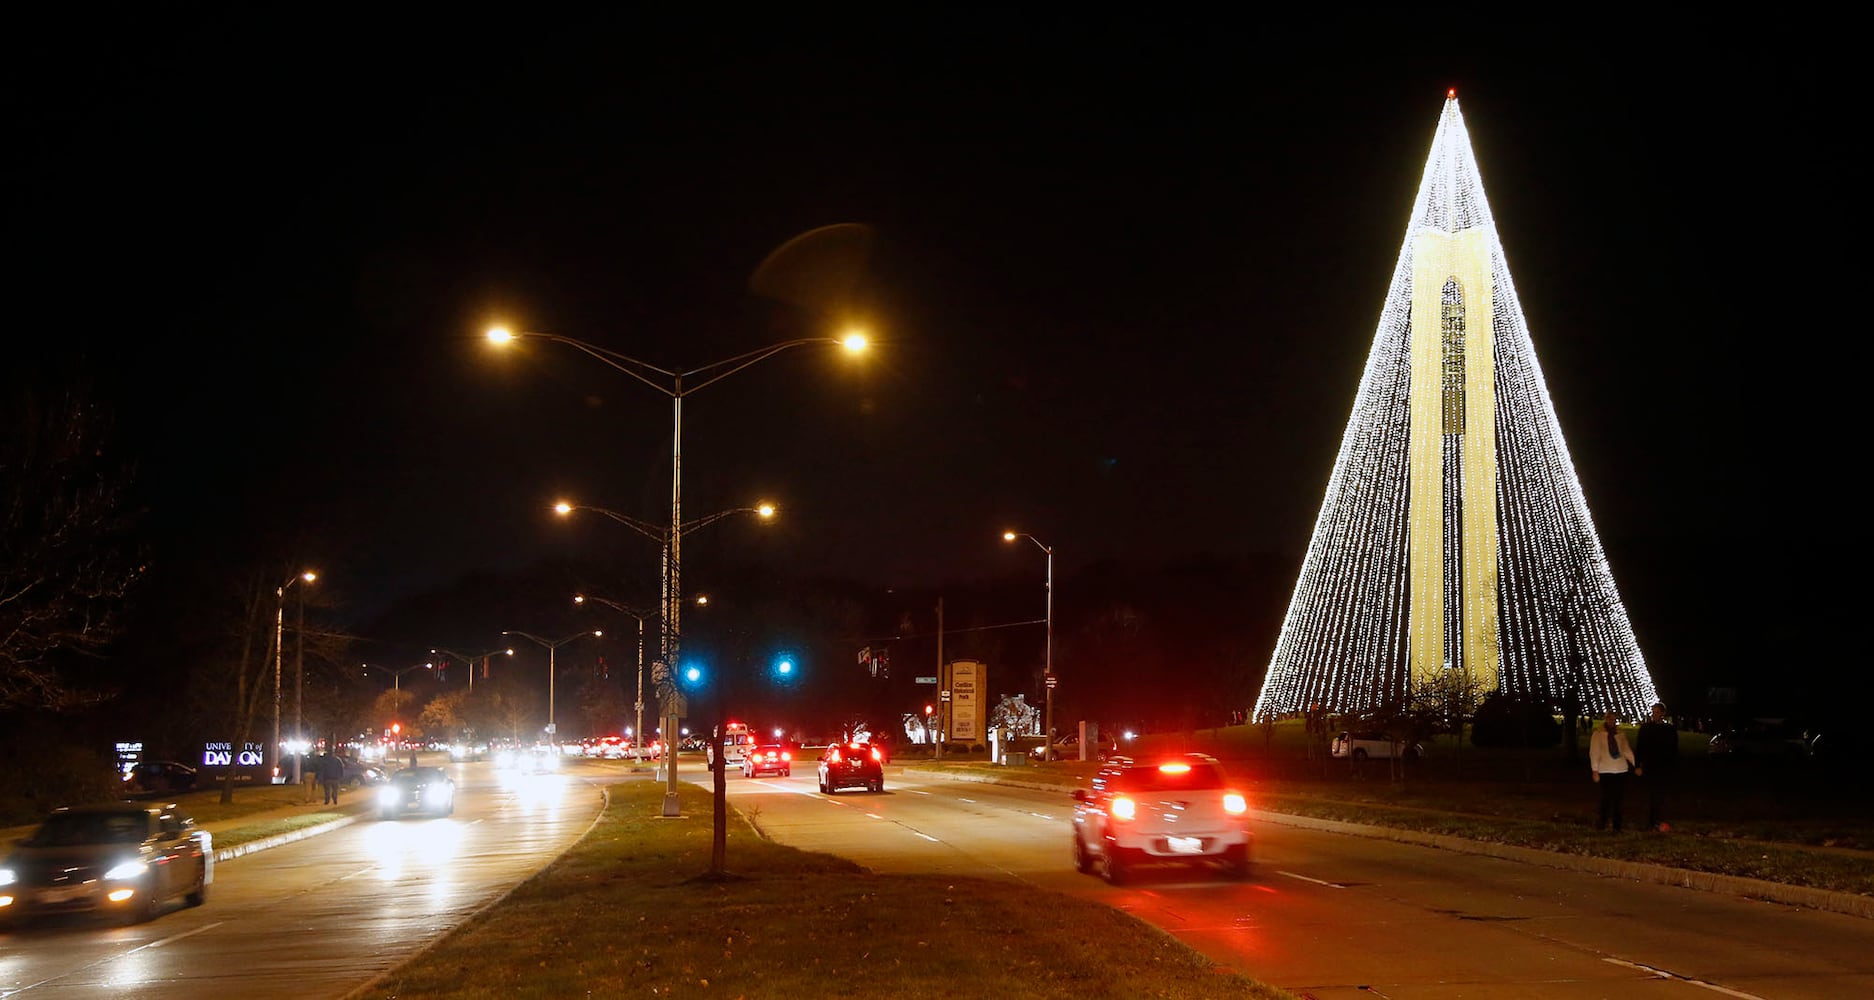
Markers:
point(1123, 275)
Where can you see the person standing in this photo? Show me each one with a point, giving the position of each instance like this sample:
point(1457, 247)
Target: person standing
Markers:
point(1657, 751)
point(1611, 760)
point(331, 774)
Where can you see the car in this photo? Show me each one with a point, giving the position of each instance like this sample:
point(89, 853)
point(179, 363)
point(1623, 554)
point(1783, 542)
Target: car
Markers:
point(538, 759)
point(846, 765)
point(416, 789)
point(1068, 748)
point(1362, 745)
point(1762, 740)
point(1183, 809)
point(771, 758)
point(126, 859)
point(160, 777)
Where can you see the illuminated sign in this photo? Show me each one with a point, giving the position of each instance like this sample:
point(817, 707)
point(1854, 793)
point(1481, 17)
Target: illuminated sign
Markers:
point(224, 755)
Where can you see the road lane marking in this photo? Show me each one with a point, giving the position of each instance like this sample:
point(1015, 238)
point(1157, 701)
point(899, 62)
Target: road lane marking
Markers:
point(1664, 974)
point(875, 815)
point(177, 937)
point(1316, 881)
point(926, 836)
point(106, 961)
point(962, 799)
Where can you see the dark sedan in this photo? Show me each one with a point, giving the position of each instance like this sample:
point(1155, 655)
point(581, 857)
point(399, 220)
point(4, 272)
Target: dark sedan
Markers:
point(416, 789)
point(845, 765)
point(126, 859)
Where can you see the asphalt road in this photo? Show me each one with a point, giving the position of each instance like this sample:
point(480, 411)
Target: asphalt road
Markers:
point(322, 916)
point(1329, 915)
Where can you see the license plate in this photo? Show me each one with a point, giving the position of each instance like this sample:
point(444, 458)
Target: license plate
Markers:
point(62, 895)
point(1185, 845)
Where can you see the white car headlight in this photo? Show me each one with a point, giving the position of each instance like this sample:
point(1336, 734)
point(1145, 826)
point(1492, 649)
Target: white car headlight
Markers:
point(387, 795)
point(128, 869)
point(7, 877)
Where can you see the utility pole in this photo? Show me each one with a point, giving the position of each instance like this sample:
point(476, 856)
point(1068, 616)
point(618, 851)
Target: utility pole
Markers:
point(943, 701)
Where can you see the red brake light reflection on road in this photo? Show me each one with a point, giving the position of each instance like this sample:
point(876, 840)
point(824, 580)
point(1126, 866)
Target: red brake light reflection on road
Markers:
point(1174, 768)
point(1124, 808)
point(1234, 803)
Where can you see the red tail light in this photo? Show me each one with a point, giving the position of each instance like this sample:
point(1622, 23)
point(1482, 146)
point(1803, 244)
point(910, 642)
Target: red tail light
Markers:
point(876, 755)
point(1235, 804)
point(1124, 808)
point(785, 755)
point(835, 756)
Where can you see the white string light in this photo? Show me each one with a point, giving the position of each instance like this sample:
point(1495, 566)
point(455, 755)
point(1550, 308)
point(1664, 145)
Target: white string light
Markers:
point(1346, 642)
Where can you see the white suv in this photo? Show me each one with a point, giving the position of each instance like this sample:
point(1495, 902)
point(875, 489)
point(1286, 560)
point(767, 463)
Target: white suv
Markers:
point(1178, 810)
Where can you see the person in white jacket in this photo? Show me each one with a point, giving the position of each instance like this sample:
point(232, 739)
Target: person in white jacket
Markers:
point(1611, 760)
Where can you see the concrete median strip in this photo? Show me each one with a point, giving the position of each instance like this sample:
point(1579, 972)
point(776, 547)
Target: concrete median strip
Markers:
point(252, 846)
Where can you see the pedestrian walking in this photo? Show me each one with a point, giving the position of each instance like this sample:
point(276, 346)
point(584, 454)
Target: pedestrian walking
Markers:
point(331, 774)
point(1611, 760)
point(1657, 751)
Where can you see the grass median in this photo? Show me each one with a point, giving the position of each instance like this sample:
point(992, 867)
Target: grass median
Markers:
point(630, 910)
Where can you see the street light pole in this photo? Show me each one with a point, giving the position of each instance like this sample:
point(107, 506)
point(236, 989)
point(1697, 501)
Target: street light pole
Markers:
point(1047, 673)
point(279, 635)
point(553, 646)
point(708, 375)
point(637, 733)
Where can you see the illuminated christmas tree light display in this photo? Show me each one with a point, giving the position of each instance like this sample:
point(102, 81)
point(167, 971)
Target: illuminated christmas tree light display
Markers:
point(1454, 536)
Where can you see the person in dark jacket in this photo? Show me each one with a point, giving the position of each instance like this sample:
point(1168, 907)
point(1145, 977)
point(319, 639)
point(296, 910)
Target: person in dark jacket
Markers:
point(1658, 754)
point(331, 774)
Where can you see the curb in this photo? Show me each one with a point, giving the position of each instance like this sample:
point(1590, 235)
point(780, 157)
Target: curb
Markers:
point(1848, 903)
point(252, 846)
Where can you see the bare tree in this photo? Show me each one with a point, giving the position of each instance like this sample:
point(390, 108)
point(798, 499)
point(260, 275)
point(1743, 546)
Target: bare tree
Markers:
point(66, 564)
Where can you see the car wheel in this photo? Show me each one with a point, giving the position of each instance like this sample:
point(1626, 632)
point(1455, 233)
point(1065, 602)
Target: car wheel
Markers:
point(199, 894)
point(1236, 861)
point(1114, 867)
point(1083, 862)
point(1359, 754)
point(145, 909)
point(877, 786)
point(787, 772)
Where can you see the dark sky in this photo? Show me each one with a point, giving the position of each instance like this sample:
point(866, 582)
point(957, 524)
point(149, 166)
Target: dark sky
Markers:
point(1124, 274)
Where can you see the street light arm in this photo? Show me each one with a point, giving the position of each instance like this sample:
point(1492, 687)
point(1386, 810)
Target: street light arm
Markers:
point(620, 362)
point(717, 516)
point(641, 616)
point(655, 532)
point(730, 366)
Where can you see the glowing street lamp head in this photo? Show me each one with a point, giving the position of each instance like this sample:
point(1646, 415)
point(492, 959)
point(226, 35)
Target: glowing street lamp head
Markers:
point(854, 342)
point(309, 576)
point(1009, 536)
point(765, 510)
point(500, 335)
point(562, 508)
point(579, 598)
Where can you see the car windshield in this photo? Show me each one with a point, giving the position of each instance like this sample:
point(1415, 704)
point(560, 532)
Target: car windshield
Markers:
point(72, 829)
point(416, 776)
point(1180, 779)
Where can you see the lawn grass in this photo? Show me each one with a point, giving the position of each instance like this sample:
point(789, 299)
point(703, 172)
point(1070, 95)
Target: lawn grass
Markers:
point(629, 911)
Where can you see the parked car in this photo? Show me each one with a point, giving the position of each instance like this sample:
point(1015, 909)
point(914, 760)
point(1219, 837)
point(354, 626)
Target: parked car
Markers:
point(160, 777)
point(127, 859)
point(848, 765)
point(771, 758)
point(416, 789)
point(1181, 810)
point(1068, 748)
point(1763, 740)
point(1360, 746)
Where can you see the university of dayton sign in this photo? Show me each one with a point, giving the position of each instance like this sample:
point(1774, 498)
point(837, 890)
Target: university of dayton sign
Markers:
point(250, 756)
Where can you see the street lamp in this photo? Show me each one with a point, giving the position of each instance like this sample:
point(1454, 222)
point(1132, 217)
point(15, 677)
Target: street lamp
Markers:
point(1047, 725)
point(279, 633)
point(638, 731)
point(553, 646)
point(396, 675)
point(470, 661)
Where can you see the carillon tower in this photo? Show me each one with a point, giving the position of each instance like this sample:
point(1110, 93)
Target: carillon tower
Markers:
point(1454, 536)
